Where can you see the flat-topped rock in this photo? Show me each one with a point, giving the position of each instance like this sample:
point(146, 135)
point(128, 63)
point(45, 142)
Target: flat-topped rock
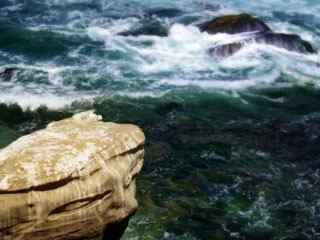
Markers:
point(234, 24)
point(72, 180)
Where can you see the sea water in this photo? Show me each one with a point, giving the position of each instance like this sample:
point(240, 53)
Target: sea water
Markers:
point(232, 144)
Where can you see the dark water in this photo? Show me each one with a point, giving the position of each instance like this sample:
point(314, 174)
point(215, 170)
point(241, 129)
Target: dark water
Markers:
point(232, 145)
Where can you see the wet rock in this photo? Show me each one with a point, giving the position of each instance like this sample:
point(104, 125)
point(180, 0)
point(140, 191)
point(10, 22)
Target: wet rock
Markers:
point(234, 24)
point(7, 73)
point(73, 180)
point(23, 75)
point(260, 33)
point(289, 42)
point(150, 27)
point(226, 50)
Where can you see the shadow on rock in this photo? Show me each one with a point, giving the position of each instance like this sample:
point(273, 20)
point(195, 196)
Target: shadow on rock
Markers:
point(115, 231)
point(257, 32)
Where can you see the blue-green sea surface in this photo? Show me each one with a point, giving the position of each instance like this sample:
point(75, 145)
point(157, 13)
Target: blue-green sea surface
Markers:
point(232, 147)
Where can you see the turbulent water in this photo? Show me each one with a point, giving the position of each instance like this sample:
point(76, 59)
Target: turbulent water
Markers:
point(70, 49)
point(232, 149)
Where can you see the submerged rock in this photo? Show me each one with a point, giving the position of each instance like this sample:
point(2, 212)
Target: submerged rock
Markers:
point(260, 33)
point(8, 73)
point(150, 27)
point(234, 24)
point(73, 180)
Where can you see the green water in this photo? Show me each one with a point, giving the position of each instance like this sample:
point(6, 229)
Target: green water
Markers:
point(232, 147)
point(217, 167)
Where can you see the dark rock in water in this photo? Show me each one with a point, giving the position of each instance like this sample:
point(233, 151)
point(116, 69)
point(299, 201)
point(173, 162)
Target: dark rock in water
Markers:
point(244, 23)
point(290, 42)
point(149, 28)
point(7, 73)
point(233, 24)
point(164, 12)
point(226, 49)
point(25, 75)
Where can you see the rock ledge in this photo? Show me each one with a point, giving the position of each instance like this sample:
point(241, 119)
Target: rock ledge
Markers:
point(73, 180)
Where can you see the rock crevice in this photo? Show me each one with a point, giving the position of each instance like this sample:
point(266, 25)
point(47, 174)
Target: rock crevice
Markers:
point(71, 180)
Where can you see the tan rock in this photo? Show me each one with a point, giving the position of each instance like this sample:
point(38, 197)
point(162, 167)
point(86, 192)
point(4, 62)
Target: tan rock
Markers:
point(73, 180)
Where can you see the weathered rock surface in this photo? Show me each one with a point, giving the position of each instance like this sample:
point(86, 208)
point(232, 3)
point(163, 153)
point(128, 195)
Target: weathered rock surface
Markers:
point(73, 180)
point(261, 33)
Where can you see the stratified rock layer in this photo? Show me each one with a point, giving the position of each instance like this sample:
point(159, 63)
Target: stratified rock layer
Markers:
point(73, 180)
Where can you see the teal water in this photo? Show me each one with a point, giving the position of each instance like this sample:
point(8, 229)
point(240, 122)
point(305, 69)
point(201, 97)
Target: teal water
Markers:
point(232, 144)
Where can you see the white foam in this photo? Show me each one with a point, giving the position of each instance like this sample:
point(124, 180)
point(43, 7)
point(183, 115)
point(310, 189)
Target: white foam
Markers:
point(98, 33)
point(285, 27)
point(160, 64)
point(32, 100)
point(103, 32)
point(236, 84)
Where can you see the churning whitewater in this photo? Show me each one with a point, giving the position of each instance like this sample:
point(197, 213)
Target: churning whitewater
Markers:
point(232, 142)
point(81, 53)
